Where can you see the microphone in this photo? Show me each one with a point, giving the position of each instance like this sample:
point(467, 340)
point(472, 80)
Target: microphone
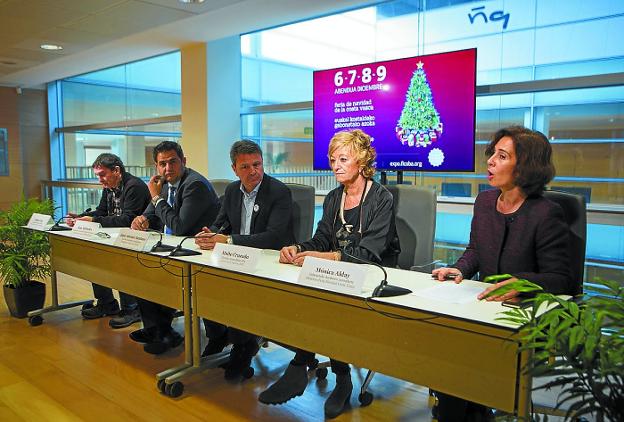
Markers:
point(180, 251)
point(57, 227)
point(159, 246)
point(384, 289)
point(85, 212)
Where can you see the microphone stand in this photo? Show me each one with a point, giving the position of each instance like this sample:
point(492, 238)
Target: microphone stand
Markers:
point(159, 246)
point(383, 289)
point(57, 227)
point(180, 251)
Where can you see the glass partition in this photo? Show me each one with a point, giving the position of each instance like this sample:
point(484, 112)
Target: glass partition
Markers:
point(527, 53)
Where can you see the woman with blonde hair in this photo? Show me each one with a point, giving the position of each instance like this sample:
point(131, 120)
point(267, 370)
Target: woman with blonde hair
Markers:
point(357, 222)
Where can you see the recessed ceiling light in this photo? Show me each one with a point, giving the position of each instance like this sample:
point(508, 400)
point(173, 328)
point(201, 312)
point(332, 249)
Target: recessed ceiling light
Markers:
point(191, 1)
point(52, 47)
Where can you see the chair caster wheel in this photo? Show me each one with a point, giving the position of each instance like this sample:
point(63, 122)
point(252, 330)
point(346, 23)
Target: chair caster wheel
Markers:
point(313, 364)
point(161, 385)
point(247, 373)
point(35, 320)
point(174, 390)
point(365, 398)
point(321, 373)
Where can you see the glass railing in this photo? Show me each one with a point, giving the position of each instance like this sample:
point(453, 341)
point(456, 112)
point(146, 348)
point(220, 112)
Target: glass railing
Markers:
point(86, 172)
point(605, 228)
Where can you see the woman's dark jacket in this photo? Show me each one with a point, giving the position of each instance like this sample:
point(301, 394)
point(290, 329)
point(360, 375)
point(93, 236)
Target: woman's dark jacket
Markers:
point(379, 242)
point(535, 248)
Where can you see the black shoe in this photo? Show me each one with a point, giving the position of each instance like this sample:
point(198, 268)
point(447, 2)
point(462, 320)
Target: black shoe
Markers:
point(478, 413)
point(100, 310)
point(240, 359)
point(339, 398)
point(290, 385)
point(168, 341)
point(215, 345)
point(142, 336)
point(125, 318)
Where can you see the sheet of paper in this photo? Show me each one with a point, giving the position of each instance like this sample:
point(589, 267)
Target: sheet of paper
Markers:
point(449, 292)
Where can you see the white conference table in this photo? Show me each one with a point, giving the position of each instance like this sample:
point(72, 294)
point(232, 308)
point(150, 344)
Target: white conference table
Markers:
point(459, 349)
point(151, 276)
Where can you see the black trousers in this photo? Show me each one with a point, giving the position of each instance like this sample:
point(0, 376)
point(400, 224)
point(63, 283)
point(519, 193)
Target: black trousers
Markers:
point(105, 295)
point(215, 330)
point(156, 318)
point(303, 357)
point(454, 409)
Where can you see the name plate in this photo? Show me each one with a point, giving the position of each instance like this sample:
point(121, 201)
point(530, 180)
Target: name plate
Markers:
point(86, 228)
point(132, 239)
point(38, 221)
point(337, 276)
point(234, 257)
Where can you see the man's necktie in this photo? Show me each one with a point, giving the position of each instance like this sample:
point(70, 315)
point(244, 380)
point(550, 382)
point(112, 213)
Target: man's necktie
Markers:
point(170, 201)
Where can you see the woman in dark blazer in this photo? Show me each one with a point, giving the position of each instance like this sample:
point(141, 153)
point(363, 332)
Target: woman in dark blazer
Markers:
point(515, 230)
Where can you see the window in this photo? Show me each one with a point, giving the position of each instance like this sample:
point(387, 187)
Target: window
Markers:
point(531, 70)
point(126, 110)
point(510, 49)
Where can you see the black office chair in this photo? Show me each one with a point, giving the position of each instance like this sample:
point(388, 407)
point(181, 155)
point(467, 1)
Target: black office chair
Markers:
point(303, 197)
point(575, 214)
point(415, 215)
point(584, 191)
point(219, 185)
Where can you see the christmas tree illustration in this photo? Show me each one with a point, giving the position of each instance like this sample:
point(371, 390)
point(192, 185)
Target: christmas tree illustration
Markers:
point(420, 123)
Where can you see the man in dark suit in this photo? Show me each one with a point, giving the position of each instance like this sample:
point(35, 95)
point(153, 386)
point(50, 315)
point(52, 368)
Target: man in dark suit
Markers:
point(123, 198)
point(257, 212)
point(183, 201)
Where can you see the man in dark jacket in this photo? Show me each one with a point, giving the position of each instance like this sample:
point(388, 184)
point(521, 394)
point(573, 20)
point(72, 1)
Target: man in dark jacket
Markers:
point(257, 212)
point(183, 201)
point(123, 198)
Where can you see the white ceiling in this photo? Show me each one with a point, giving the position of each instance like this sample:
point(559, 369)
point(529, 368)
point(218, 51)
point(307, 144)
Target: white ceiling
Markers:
point(101, 33)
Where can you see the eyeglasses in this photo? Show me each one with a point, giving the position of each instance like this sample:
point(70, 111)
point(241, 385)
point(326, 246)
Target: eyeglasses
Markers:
point(103, 235)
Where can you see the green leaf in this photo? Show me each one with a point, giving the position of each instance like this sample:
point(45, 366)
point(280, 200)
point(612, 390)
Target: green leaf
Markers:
point(497, 278)
point(24, 254)
point(520, 285)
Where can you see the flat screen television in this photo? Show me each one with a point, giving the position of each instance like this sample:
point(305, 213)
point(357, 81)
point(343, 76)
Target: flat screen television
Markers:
point(420, 110)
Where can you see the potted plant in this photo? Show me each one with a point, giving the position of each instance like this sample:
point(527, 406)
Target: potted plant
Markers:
point(579, 345)
point(24, 257)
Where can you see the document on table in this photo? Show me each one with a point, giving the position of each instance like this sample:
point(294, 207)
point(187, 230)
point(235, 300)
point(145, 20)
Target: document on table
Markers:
point(449, 292)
